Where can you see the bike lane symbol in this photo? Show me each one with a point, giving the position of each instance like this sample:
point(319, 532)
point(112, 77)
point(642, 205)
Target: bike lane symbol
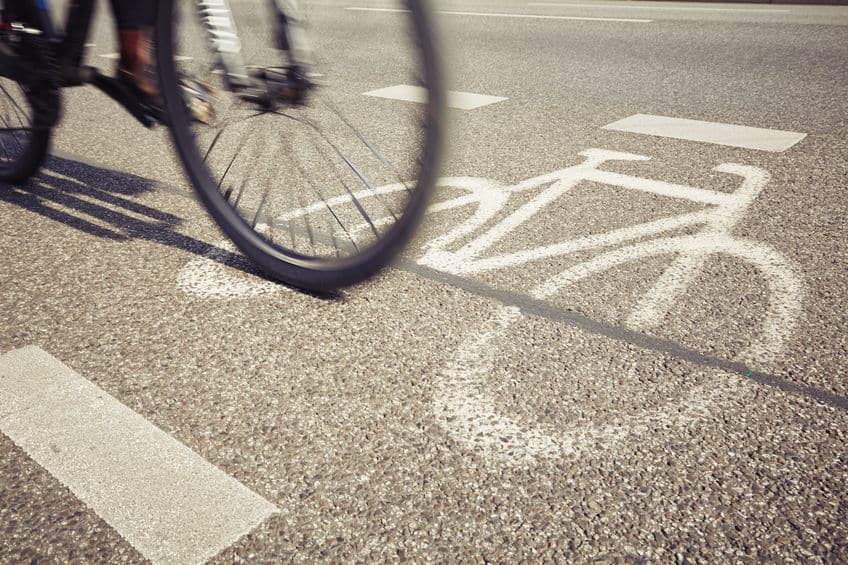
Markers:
point(472, 417)
point(462, 406)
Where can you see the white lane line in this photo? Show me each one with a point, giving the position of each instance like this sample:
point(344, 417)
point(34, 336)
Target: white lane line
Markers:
point(644, 7)
point(165, 500)
point(460, 100)
point(709, 132)
point(503, 15)
point(118, 56)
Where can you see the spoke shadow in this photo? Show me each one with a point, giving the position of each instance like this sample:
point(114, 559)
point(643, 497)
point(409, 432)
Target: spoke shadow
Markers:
point(99, 202)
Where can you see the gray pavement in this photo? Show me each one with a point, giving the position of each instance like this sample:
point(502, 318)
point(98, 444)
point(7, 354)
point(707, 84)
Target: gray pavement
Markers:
point(676, 395)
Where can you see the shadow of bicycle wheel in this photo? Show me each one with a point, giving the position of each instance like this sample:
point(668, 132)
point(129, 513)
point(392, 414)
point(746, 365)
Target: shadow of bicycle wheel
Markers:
point(103, 203)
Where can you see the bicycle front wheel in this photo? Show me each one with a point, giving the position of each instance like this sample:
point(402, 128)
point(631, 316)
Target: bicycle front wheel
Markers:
point(324, 188)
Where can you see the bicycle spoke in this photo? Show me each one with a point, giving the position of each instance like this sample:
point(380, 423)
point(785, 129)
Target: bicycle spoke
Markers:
point(11, 129)
point(18, 110)
point(259, 209)
point(329, 208)
point(238, 196)
point(366, 141)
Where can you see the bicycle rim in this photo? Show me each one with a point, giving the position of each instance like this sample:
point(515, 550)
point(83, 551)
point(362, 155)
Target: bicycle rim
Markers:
point(322, 194)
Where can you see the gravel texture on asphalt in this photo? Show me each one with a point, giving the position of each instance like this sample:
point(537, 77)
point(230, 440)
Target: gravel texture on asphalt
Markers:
point(333, 408)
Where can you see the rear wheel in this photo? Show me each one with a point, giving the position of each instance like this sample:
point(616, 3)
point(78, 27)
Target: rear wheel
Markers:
point(23, 147)
point(324, 188)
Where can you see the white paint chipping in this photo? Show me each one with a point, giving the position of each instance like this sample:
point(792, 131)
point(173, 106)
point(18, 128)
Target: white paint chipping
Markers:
point(506, 15)
point(473, 420)
point(472, 417)
point(417, 94)
point(709, 132)
point(657, 303)
point(164, 499)
point(210, 276)
point(467, 413)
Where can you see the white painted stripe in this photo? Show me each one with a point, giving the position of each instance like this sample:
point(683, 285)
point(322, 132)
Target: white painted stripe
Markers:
point(646, 7)
point(460, 100)
point(164, 499)
point(709, 132)
point(503, 15)
point(118, 56)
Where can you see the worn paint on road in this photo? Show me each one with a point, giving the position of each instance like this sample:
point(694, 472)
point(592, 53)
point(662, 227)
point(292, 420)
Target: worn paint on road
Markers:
point(709, 132)
point(417, 94)
point(164, 499)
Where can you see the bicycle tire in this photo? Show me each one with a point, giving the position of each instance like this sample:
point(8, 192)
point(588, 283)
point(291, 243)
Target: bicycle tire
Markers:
point(21, 160)
point(309, 270)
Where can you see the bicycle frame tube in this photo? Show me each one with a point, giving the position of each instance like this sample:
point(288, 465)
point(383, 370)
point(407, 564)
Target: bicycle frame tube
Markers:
point(68, 50)
point(37, 14)
point(78, 22)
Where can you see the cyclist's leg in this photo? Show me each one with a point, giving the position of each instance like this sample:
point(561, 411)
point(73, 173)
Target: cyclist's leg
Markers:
point(134, 20)
point(291, 33)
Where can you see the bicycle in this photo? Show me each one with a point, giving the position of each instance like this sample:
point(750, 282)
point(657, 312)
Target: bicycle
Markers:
point(258, 140)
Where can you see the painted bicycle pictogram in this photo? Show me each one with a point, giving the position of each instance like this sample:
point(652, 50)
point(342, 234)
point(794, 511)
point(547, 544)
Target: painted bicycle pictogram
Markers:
point(462, 406)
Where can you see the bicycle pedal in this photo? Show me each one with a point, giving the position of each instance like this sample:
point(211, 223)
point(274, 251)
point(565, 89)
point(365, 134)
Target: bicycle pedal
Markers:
point(200, 100)
point(288, 84)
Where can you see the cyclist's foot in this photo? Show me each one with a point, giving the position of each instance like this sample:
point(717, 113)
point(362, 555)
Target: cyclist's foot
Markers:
point(150, 103)
point(135, 70)
point(136, 60)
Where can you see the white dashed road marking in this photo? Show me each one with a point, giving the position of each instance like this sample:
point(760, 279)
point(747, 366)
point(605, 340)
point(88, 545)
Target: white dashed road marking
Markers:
point(116, 56)
point(164, 499)
point(459, 100)
point(647, 7)
point(504, 15)
point(709, 132)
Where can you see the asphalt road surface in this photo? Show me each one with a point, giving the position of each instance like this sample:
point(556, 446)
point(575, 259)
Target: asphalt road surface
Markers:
point(639, 355)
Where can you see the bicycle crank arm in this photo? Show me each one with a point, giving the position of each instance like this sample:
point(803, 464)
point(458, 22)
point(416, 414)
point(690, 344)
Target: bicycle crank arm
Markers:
point(120, 93)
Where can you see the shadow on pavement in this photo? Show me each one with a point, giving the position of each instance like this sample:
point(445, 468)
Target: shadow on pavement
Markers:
point(97, 201)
